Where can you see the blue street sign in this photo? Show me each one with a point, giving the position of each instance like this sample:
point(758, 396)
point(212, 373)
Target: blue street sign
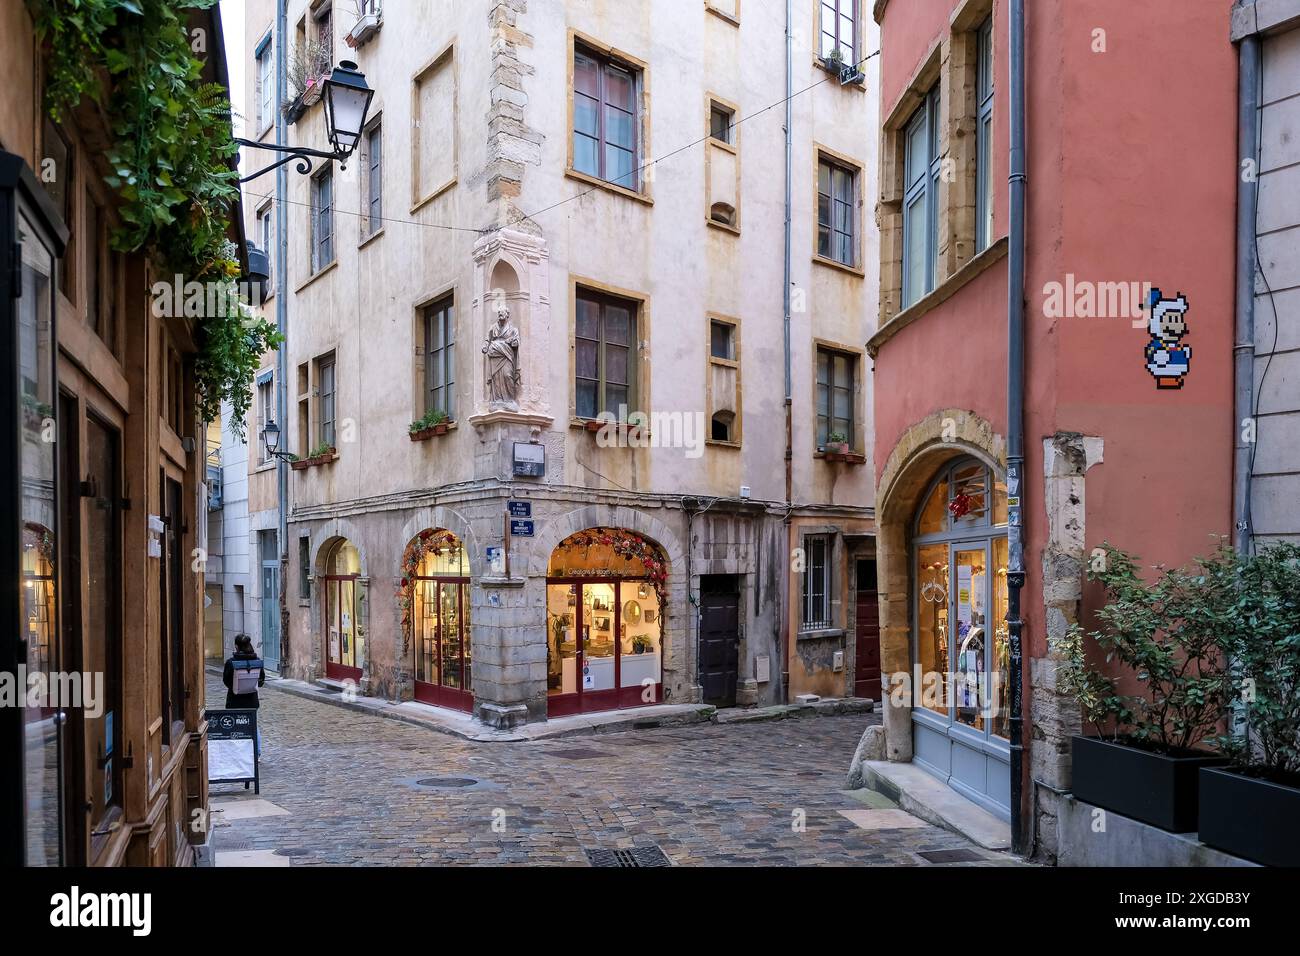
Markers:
point(519, 509)
point(521, 529)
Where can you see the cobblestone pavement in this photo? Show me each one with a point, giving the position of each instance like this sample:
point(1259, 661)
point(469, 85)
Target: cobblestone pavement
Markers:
point(705, 794)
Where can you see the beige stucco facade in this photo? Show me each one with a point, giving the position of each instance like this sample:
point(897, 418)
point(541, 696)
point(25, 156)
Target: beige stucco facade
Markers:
point(481, 202)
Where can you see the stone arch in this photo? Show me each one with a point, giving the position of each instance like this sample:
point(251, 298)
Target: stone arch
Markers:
point(450, 520)
point(325, 535)
point(918, 454)
point(596, 516)
point(503, 280)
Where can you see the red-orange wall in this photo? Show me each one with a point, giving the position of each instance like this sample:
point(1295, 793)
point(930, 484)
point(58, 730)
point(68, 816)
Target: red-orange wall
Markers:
point(1132, 177)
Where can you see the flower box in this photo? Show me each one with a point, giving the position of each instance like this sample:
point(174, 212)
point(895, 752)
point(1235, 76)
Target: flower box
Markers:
point(366, 27)
point(304, 463)
point(294, 109)
point(425, 433)
point(1249, 817)
point(846, 457)
point(1154, 788)
point(313, 91)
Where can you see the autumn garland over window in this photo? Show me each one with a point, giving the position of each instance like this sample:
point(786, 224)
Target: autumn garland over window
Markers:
point(427, 542)
point(171, 162)
point(627, 544)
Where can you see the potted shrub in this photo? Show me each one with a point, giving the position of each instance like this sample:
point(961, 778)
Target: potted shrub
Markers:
point(433, 422)
point(317, 456)
point(837, 443)
point(1252, 807)
point(1148, 747)
point(305, 74)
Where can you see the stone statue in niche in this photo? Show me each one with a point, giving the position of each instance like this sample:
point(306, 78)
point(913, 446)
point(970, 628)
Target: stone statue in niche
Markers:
point(502, 351)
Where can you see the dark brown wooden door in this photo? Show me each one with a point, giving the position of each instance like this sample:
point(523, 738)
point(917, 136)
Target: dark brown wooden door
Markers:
point(866, 676)
point(719, 638)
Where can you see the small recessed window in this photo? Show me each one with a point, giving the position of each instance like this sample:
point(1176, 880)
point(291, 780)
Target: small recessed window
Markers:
point(721, 343)
point(722, 124)
point(722, 422)
point(723, 212)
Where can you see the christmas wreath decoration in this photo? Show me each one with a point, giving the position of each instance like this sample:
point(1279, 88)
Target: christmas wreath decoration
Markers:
point(428, 541)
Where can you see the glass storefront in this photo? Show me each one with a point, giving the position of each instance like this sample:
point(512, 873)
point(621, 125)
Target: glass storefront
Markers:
point(35, 389)
point(440, 621)
point(960, 717)
point(604, 623)
point(341, 597)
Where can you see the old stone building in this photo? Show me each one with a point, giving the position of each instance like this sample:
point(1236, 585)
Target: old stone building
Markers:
point(550, 459)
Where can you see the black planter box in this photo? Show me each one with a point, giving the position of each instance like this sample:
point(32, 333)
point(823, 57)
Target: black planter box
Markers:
point(1150, 787)
point(1248, 817)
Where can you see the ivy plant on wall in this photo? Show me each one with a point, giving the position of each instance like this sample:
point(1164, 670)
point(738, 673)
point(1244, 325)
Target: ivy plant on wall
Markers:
point(170, 159)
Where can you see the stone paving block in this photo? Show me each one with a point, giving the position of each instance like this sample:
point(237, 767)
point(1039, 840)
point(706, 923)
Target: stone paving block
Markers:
point(707, 794)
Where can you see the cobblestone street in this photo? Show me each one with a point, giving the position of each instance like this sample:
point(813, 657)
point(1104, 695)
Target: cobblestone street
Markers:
point(347, 784)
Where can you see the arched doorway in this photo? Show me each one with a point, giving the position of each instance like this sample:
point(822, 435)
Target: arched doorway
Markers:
point(604, 622)
point(341, 598)
point(435, 602)
point(960, 702)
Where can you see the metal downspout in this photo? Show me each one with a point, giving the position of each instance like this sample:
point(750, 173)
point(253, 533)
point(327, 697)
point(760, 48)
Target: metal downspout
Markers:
point(785, 325)
point(281, 324)
point(1016, 486)
point(1243, 353)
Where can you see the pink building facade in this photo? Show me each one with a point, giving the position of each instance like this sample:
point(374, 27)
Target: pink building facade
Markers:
point(1130, 204)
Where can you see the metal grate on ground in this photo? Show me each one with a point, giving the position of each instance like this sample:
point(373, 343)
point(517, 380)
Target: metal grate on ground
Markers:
point(637, 856)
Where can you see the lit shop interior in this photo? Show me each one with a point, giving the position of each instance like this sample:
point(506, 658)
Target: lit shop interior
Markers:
point(603, 623)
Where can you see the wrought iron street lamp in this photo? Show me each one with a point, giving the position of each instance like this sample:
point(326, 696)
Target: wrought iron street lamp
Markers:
point(347, 101)
point(271, 439)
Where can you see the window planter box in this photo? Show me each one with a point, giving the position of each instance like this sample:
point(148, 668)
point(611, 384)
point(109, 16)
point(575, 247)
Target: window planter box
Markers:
point(632, 433)
point(304, 463)
point(311, 94)
point(426, 433)
point(364, 29)
point(1150, 787)
point(294, 109)
point(1250, 817)
point(846, 457)
point(848, 73)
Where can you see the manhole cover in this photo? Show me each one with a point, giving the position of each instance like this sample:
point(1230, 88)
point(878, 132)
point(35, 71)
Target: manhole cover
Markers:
point(445, 783)
point(578, 754)
point(637, 856)
point(950, 856)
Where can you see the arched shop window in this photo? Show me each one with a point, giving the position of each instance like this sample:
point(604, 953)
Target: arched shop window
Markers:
point(960, 598)
point(604, 622)
point(342, 595)
point(435, 599)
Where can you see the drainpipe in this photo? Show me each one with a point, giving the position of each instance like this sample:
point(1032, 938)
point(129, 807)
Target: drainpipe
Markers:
point(1243, 353)
point(785, 327)
point(1016, 486)
point(281, 324)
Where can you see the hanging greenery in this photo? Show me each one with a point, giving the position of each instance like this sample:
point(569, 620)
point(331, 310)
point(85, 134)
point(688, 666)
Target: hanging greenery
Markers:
point(170, 160)
point(427, 542)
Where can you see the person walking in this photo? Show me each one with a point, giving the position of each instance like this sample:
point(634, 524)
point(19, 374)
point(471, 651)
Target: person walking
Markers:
point(244, 673)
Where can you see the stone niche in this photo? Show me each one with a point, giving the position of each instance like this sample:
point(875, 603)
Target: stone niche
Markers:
point(511, 271)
